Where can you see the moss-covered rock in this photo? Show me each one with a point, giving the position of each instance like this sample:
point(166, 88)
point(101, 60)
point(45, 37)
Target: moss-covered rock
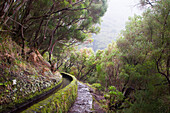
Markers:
point(26, 94)
point(59, 102)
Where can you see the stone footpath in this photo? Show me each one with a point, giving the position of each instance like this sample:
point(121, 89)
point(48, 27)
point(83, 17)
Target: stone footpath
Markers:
point(84, 101)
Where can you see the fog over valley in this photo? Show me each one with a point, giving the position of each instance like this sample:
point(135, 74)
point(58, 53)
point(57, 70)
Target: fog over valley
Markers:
point(114, 21)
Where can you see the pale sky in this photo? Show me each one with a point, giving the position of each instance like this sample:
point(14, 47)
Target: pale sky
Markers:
point(118, 12)
point(114, 21)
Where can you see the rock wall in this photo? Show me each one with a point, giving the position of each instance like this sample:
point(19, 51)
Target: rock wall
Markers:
point(59, 102)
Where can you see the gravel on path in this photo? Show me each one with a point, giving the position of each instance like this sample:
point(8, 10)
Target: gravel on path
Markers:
point(84, 101)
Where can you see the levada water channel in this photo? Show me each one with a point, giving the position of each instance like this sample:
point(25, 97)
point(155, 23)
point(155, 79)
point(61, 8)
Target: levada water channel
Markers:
point(66, 79)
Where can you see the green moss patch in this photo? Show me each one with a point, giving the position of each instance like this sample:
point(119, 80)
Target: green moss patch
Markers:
point(30, 97)
point(58, 102)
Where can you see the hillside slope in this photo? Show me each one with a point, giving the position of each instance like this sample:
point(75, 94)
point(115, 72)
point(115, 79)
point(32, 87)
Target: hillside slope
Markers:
point(22, 78)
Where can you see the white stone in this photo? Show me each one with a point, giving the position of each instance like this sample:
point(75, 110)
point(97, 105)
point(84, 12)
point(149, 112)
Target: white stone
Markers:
point(14, 82)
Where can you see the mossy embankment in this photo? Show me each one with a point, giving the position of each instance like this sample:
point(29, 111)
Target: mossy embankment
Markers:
point(59, 102)
point(22, 78)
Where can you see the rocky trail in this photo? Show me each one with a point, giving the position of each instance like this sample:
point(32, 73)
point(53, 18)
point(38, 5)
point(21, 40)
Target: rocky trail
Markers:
point(84, 102)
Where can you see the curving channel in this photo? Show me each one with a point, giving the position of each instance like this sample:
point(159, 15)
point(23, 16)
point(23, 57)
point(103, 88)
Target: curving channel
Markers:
point(66, 79)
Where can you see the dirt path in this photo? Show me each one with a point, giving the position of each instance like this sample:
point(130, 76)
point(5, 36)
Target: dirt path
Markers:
point(84, 101)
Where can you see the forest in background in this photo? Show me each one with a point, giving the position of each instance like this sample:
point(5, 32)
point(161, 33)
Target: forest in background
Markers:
point(132, 73)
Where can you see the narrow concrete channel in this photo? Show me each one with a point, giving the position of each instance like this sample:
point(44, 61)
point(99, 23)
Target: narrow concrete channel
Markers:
point(83, 103)
point(65, 81)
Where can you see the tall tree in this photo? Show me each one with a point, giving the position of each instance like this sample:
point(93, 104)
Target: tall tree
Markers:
point(42, 24)
point(144, 51)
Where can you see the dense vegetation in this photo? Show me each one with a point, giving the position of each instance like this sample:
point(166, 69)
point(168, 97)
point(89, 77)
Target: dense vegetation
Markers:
point(32, 28)
point(134, 70)
point(43, 24)
point(132, 73)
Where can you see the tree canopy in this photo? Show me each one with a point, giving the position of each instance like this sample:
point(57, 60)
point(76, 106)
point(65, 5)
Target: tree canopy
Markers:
point(132, 73)
point(134, 70)
point(43, 24)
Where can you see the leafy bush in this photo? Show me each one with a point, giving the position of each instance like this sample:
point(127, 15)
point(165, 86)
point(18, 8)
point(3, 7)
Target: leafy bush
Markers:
point(96, 85)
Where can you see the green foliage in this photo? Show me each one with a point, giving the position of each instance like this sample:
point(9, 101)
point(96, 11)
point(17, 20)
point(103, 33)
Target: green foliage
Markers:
point(139, 60)
point(137, 65)
point(45, 56)
point(114, 97)
point(97, 85)
point(48, 25)
point(143, 49)
point(1, 39)
point(150, 101)
point(81, 63)
point(112, 88)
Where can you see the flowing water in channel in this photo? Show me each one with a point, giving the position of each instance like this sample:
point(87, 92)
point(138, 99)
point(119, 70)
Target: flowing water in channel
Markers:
point(65, 81)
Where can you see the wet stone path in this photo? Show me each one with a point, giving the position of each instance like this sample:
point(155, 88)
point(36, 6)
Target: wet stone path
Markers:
point(84, 101)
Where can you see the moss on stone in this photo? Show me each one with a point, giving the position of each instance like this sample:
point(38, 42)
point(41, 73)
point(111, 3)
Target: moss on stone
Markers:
point(58, 102)
point(17, 102)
